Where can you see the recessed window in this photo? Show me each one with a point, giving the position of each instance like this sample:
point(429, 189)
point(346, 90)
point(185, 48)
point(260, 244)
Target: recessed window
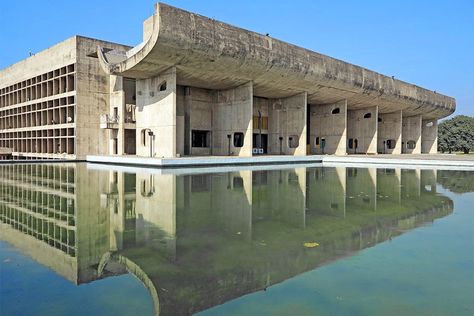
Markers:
point(336, 111)
point(391, 143)
point(411, 144)
point(200, 138)
point(367, 115)
point(350, 144)
point(429, 124)
point(379, 120)
point(293, 141)
point(238, 139)
point(317, 141)
point(163, 86)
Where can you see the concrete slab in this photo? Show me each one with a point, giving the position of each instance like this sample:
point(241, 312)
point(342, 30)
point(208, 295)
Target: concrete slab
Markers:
point(202, 161)
point(363, 160)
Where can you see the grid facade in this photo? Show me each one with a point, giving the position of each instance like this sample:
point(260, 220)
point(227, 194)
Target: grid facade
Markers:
point(39, 200)
point(37, 116)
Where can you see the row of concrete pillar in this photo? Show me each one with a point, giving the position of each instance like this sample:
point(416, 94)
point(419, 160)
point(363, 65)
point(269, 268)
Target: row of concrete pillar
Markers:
point(174, 120)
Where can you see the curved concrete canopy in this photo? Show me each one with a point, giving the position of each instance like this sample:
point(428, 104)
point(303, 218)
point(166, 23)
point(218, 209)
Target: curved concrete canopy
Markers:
point(215, 55)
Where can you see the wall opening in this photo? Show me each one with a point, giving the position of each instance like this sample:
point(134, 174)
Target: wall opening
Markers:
point(200, 138)
point(336, 111)
point(367, 115)
point(293, 141)
point(238, 139)
point(411, 144)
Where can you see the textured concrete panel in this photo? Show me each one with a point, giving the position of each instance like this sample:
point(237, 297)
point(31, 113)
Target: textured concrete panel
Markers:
point(389, 128)
point(362, 127)
point(156, 113)
point(411, 132)
point(287, 125)
point(429, 137)
point(232, 114)
point(329, 122)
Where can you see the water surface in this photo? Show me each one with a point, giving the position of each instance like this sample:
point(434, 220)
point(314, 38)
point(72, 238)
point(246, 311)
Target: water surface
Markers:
point(85, 239)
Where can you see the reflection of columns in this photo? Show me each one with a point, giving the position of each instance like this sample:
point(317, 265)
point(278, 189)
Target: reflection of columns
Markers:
point(156, 110)
point(326, 191)
point(410, 182)
point(390, 133)
point(287, 125)
point(411, 135)
point(429, 137)
point(362, 131)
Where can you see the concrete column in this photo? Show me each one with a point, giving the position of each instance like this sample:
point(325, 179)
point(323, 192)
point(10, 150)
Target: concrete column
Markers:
point(429, 136)
point(117, 107)
point(362, 131)
point(328, 125)
point(389, 131)
point(156, 115)
point(231, 117)
point(411, 135)
point(287, 125)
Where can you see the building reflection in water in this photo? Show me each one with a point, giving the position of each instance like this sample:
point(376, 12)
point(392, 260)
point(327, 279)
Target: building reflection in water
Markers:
point(198, 240)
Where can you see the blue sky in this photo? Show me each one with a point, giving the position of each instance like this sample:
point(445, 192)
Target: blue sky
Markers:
point(428, 43)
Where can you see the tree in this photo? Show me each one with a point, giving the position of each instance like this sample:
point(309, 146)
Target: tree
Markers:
point(456, 134)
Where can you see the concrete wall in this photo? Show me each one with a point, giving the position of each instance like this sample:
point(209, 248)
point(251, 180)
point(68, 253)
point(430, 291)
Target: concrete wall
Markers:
point(287, 118)
point(156, 112)
point(389, 128)
point(233, 114)
point(411, 131)
point(362, 129)
point(429, 136)
point(328, 126)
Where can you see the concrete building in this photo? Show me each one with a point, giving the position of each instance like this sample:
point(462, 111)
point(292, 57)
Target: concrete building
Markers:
point(196, 87)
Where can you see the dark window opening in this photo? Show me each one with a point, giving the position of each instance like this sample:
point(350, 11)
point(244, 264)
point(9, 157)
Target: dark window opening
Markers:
point(293, 141)
point(411, 144)
point(351, 143)
point(238, 139)
point(391, 143)
point(367, 115)
point(200, 138)
point(317, 141)
point(336, 111)
point(380, 120)
point(163, 86)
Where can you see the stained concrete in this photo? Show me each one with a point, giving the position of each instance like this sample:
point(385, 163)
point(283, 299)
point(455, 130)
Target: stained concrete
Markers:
point(362, 127)
point(389, 129)
point(429, 136)
point(329, 126)
point(411, 132)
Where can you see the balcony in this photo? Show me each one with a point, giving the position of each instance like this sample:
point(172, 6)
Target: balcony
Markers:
point(109, 121)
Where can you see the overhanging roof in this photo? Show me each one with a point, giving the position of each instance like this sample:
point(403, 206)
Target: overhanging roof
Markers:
point(215, 55)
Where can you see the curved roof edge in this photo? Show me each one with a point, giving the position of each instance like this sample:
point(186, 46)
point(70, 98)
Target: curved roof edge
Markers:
point(212, 54)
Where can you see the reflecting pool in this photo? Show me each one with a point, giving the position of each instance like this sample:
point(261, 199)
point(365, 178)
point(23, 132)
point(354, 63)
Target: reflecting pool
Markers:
point(81, 239)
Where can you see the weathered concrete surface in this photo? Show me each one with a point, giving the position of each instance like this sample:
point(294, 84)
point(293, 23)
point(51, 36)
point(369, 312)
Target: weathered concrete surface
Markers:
point(328, 125)
point(411, 132)
point(362, 129)
point(287, 126)
point(233, 114)
point(429, 137)
point(156, 114)
point(224, 56)
point(389, 128)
